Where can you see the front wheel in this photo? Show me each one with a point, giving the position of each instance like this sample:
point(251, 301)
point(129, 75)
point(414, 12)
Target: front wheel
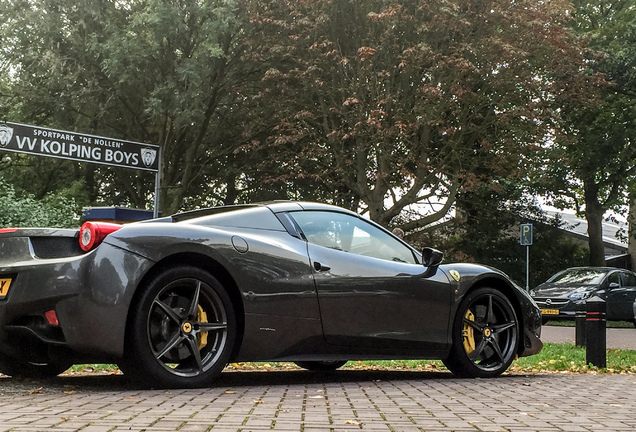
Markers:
point(321, 366)
point(182, 330)
point(485, 335)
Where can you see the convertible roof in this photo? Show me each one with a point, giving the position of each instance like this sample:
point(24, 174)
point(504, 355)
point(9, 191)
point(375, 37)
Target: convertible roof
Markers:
point(209, 211)
point(274, 206)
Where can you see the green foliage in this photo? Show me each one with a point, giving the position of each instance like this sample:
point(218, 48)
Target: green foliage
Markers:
point(151, 71)
point(596, 145)
point(551, 252)
point(563, 358)
point(23, 210)
point(553, 358)
point(486, 231)
point(395, 103)
point(377, 105)
point(40, 176)
point(570, 358)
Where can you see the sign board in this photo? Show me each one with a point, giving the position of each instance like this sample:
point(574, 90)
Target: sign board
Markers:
point(40, 141)
point(526, 234)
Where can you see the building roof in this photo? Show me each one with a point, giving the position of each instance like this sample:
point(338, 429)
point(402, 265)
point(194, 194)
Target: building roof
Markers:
point(577, 227)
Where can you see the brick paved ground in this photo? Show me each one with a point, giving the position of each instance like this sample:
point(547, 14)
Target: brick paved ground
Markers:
point(345, 401)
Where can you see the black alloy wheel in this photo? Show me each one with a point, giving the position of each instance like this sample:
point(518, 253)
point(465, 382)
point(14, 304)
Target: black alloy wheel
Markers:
point(321, 366)
point(182, 330)
point(485, 335)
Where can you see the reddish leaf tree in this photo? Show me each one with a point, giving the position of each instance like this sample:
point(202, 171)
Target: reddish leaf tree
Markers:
point(385, 104)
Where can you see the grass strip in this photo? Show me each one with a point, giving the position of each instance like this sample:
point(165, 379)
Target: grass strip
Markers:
point(554, 358)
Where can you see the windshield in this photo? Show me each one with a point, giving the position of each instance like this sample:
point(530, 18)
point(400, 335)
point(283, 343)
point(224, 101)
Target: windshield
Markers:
point(579, 277)
point(351, 234)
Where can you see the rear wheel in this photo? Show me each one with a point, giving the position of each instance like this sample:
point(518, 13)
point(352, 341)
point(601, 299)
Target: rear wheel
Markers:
point(182, 330)
point(321, 366)
point(485, 335)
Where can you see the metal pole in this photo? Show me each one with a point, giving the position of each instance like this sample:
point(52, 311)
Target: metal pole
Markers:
point(157, 186)
point(527, 268)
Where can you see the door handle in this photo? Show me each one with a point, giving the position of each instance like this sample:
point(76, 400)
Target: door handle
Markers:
point(321, 267)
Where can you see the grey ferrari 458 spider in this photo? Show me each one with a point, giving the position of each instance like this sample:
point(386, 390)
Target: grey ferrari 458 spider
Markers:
point(173, 300)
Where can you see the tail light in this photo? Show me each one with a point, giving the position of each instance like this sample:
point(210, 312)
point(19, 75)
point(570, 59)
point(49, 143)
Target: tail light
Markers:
point(6, 230)
point(51, 317)
point(91, 234)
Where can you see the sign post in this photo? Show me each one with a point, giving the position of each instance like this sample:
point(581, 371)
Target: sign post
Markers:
point(526, 240)
point(55, 143)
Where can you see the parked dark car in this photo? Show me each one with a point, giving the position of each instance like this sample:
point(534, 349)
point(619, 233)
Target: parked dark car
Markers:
point(173, 300)
point(567, 291)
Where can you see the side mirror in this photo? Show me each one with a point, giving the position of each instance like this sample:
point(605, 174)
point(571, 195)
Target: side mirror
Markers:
point(431, 259)
point(614, 285)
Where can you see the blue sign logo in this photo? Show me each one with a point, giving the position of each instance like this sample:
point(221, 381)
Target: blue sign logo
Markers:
point(526, 234)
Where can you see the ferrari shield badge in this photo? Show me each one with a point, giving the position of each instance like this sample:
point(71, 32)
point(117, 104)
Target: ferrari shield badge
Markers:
point(455, 275)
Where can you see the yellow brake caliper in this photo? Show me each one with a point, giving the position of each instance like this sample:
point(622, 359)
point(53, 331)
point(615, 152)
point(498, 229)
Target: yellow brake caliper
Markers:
point(468, 333)
point(202, 337)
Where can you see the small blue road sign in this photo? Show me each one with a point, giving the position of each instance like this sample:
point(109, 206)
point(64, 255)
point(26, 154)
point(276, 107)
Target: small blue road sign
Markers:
point(526, 234)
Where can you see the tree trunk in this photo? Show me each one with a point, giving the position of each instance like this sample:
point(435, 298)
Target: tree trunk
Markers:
point(594, 214)
point(231, 193)
point(631, 233)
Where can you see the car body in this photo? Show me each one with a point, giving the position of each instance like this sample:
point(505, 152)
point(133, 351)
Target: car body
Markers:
point(173, 300)
point(565, 293)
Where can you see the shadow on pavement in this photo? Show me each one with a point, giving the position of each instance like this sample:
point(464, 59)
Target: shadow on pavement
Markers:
point(116, 382)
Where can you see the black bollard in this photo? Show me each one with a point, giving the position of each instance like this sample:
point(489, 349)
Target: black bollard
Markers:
point(596, 338)
point(580, 319)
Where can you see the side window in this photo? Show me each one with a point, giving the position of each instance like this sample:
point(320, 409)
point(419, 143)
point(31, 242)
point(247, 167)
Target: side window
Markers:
point(629, 280)
point(351, 234)
point(614, 278)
